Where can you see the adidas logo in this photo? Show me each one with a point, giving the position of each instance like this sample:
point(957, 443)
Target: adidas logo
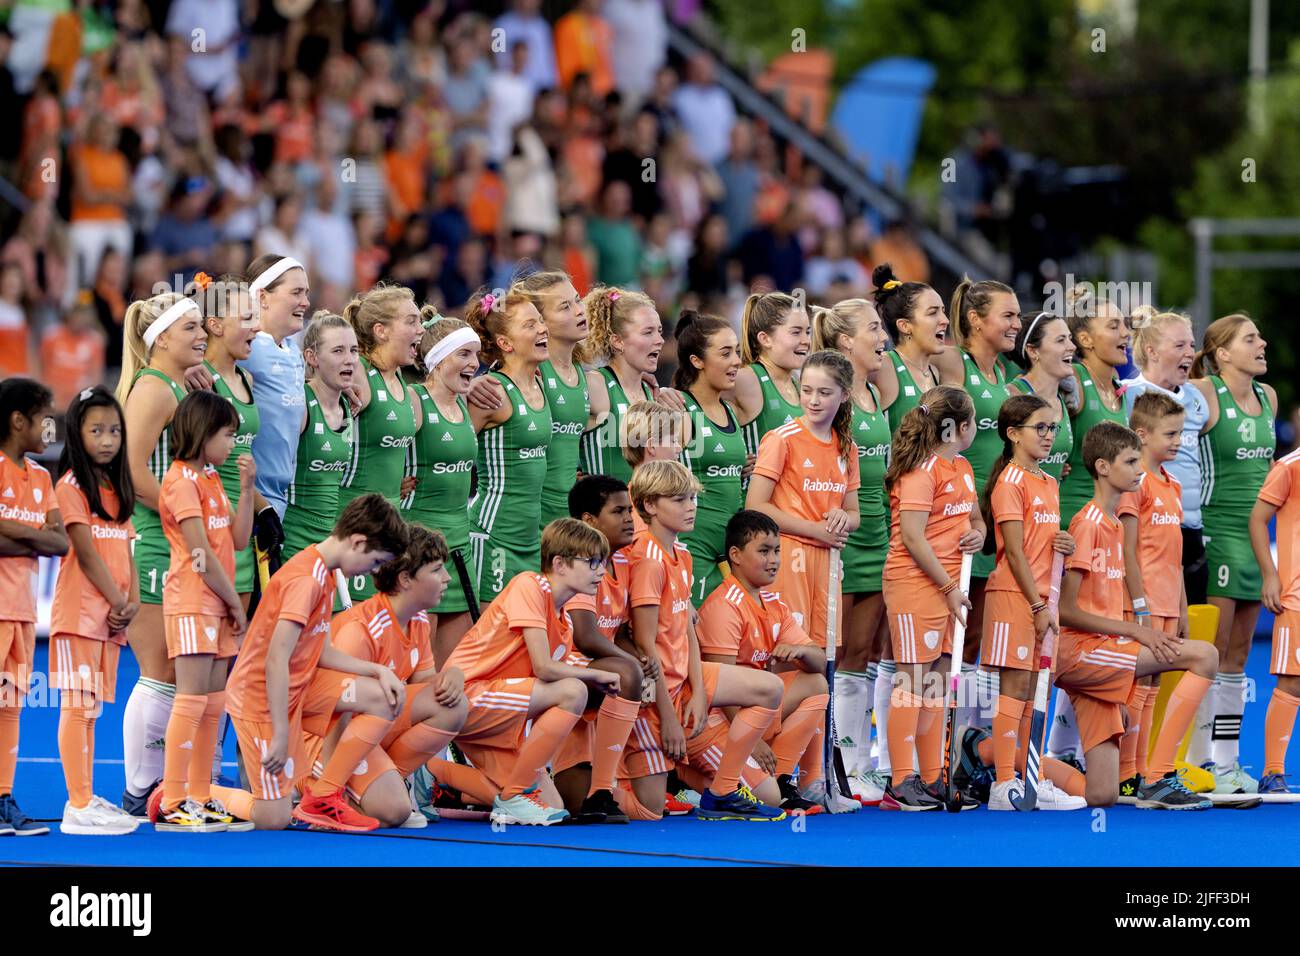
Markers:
point(948, 488)
point(9, 493)
point(188, 745)
point(807, 463)
point(559, 399)
point(211, 632)
point(718, 449)
point(606, 601)
point(615, 747)
point(1159, 502)
point(392, 416)
point(325, 446)
point(446, 436)
point(212, 503)
point(986, 394)
point(532, 426)
point(1011, 733)
point(1037, 500)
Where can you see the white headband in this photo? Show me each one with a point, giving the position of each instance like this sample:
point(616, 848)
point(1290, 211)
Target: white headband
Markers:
point(274, 272)
point(445, 346)
point(167, 320)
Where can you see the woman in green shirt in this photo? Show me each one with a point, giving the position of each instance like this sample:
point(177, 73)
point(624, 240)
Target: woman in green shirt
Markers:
point(917, 324)
point(1045, 351)
point(775, 337)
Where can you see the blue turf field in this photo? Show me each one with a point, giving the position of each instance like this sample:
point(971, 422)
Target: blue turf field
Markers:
point(1123, 836)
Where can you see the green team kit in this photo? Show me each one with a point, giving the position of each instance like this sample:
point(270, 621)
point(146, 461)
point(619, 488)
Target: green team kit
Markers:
point(1062, 443)
point(505, 529)
point(1077, 488)
point(324, 453)
point(716, 457)
point(1236, 455)
point(864, 553)
point(776, 410)
point(442, 461)
point(602, 447)
point(570, 407)
point(249, 424)
point(151, 552)
point(987, 395)
point(909, 393)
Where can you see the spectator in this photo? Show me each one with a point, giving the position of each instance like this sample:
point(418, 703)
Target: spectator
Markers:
point(100, 194)
point(449, 226)
point(187, 107)
point(820, 207)
point(772, 253)
point(897, 246)
point(577, 257)
point(185, 235)
point(151, 181)
point(368, 187)
point(132, 97)
point(615, 239)
point(740, 178)
point(42, 122)
point(833, 267)
point(486, 192)
point(110, 305)
point(379, 96)
point(422, 59)
point(707, 271)
point(530, 191)
point(661, 101)
point(640, 45)
point(464, 273)
point(583, 155)
point(523, 24)
point(415, 263)
point(40, 248)
point(466, 91)
point(72, 352)
point(214, 68)
point(340, 78)
point(15, 342)
point(689, 187)
point(510, 102)
point(331, 247)
point(406, 169)
point(583, 41)
point(705, 111)
point(291, 122)
point(625, 160)
point(370, 258)
point(979, 187)
point(237, 182)
point(283, 235)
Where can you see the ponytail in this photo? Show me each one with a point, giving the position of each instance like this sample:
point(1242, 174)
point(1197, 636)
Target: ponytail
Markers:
point(840, 369)
point(376, 307)
point(140, 314)
point(693, 333)
point(609, 310)
point(762, 314)
point(922, 429)
point(974, 297)
point(489, 316)
point(894, 299)
point(840, 319)
point(1218, 335)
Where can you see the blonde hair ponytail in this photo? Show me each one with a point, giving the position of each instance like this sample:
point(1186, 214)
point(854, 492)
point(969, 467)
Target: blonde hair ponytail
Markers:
point(140, 314)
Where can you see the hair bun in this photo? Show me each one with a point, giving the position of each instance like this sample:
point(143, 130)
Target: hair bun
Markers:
point(881, 276)
point(685, 319)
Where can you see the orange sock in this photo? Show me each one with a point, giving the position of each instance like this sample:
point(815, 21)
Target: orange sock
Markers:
point(930, 733)
point(205, 745)
point(1006, 734)
point(76, 730)
point(746, 730)
point(8, 746)
point(542, 745)
point(417, 745)
point(904, 717)
point(1064, 776)
point(812, 763)
point(364, 733)
point(613, 726)
point(1144, 730)
point(178, 747)
point(1178, 717)
point(1278, 724)
point(1128, 744)
point(797, 731)
point(470, 781)
point(239, 802)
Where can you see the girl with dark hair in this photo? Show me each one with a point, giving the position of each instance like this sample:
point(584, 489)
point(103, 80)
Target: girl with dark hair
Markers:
point(917, 325)
point(1045, 350)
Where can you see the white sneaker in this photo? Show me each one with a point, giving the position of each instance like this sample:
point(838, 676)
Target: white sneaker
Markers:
point(416, 821)
point(1000, 795)
point(817, 793)
point(1052, 797)
point(868, 786)
point(92, 820)
point(112, 808)
point(1234, 780)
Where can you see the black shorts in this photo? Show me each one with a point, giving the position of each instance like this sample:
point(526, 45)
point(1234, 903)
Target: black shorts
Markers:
point(1196, 570)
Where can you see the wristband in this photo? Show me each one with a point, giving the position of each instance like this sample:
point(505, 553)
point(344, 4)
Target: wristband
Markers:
point(952, 583)
point(1137, 613)
point(1038, 606)
point(1139, 603)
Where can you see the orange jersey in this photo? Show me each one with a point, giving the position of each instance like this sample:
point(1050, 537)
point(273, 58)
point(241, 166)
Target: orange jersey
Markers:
point(79, 607)
point(301, 592)
point(811, 475)
point(945, 490)
point(494, 648)
point(369, 631)
point(732, 622)
point(1099, 554)
point(1282, 490)
point(26, 496)
point(663, 580)
point(609, 603)
point(187, 493)
point(1158, 506)
point(1034, 501)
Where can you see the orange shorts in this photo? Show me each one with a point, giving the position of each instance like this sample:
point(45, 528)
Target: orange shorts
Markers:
point(1009, 639)
point(199, 634)
point(1286, 644)
point(801, 582)
point(920, 627)
point(1098, 672)
point(1165, 625)
point(17, 648)
point(494, 728)
point(84, 665)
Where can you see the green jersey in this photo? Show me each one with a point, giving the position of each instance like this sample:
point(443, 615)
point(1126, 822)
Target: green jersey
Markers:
point(1077, 488)
point(987, 395)
point(249, 425)
point(909, 393)
point(570, 406)
point(776, 411)
point(864, 553)
point(443, 462)
point(1062, 444)
point(384, 432)
point(602, 447)
point(716, 457)
point(324, 453)
point(151, 553)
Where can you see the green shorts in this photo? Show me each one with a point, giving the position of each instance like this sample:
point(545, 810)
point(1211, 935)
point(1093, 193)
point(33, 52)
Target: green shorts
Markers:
point(1234, 573)
point(152, 556)
point(245, 568)
point(302, 529)
point(706, 544)
point(495, 563)
point(864, 556)
point(982, 565)
point(553, 506)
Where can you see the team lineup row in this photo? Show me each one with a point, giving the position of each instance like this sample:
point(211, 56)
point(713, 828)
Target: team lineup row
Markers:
point(692, 637)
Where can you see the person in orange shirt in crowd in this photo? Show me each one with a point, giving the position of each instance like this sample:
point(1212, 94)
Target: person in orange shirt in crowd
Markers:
point(679, 730)
point(291, 121)
point(935, 520)
point(406, 167)
point(15, 337)
point(742, 623)
point(30, 527)
point(96, 596)
point(1152, 518)
point(203, 617)
point(101, 191)
point(72, 353)
point(487, 196)
point(515, 661)
point(288, 675)
point(392, 628)
point(582, 43)
point(1101, 655)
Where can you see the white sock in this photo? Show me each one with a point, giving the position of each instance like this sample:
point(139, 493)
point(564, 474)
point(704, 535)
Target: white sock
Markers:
point(144, 725)
point(851, 692)
point(883, 688)
point(865, 758)
point(1198, 746)
point(987, 686)
point(1064, 738)
point(1229, 704)
point(967, 704)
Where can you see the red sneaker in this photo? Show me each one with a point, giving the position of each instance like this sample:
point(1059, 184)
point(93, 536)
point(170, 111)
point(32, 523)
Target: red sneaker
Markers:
point(676, 808)
point(153, 807)
point(332, 812)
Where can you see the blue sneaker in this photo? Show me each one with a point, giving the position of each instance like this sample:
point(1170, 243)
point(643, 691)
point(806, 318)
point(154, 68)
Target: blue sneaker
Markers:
point(139, 806)
point(1273, 783)
point(970, 762)
point(740, 804)
point(1169, 793)
point(14, 821)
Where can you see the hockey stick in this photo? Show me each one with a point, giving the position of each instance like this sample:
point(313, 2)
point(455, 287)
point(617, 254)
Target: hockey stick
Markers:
point(341, 587)
point(462, 573)
point(833, 761)
point(1034, 745)
point(952, 799)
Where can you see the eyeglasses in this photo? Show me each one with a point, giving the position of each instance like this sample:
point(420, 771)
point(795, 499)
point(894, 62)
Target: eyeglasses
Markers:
point(1043, 428)
point(596, 564)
